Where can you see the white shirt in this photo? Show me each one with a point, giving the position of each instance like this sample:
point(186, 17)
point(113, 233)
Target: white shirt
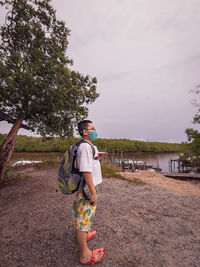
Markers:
point(87, 163)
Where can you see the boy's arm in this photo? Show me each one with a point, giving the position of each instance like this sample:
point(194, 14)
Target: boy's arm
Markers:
point(89, 181)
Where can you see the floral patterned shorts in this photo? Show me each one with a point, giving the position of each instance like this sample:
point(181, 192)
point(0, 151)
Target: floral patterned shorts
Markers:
point(83, 213)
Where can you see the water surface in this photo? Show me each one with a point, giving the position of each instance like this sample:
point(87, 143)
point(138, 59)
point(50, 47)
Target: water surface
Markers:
point(157, 159)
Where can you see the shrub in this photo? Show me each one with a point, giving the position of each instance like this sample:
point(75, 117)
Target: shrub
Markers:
point(110, 171)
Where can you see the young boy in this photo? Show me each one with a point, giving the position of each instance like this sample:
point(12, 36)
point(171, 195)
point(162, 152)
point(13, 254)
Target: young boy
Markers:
point(84, 210)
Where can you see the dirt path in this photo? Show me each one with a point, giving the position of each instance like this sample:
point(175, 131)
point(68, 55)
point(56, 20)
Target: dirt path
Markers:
point(182, 187)
point(139, 225)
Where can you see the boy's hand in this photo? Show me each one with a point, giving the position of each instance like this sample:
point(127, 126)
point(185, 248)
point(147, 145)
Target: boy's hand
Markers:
point(89, 181)
point(93, 198)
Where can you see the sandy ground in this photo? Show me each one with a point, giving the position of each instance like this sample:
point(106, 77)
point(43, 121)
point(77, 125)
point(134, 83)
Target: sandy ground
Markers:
point(178, 186)
point(156, 223)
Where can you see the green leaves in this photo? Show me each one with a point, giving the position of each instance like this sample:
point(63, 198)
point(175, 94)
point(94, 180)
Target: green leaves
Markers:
point(35, 80)
point(192, 149)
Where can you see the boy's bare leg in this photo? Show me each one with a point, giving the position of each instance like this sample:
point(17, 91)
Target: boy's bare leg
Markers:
point(85, 252)
point(90, 233)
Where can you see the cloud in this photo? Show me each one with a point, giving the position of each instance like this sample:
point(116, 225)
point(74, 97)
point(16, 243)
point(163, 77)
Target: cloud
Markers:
point(145, 55)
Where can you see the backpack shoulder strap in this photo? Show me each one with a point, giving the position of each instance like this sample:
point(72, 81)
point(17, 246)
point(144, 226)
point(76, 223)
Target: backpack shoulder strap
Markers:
point(84, 141)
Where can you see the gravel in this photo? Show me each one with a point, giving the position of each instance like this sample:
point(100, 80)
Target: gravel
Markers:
point(139, 224)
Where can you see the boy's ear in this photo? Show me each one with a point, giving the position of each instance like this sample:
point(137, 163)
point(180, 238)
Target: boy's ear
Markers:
point(85, 132)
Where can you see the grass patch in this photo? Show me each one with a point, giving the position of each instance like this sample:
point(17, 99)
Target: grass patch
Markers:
point(47, 163)
point(136, 181)
point(110, 171)
point(11, 179)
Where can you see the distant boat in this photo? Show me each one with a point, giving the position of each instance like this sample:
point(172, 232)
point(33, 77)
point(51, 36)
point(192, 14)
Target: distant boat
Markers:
point(135, 165)
point(126, 161)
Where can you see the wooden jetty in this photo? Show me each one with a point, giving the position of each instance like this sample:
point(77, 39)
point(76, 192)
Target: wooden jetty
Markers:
point(183, 166)
point(132, 166)
point(182, 176)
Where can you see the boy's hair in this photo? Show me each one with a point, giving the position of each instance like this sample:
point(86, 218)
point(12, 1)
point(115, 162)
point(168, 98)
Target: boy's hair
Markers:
point(83, 126)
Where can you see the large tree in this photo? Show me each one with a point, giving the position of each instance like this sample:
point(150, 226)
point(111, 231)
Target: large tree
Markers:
point(38, 90)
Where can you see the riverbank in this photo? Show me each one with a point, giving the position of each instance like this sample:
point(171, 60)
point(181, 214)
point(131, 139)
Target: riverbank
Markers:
point(39, 144)
point(151, 221)
point(154, 158)
point(186, 188)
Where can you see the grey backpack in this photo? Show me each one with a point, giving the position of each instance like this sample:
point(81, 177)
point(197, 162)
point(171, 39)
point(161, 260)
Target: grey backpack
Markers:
point(69, 178)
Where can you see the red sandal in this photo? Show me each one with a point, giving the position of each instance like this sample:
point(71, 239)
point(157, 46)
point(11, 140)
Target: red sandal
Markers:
point(91, 236)
point(100, 251)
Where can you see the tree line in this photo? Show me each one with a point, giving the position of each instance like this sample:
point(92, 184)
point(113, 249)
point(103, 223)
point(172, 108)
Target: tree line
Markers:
point(39, 144)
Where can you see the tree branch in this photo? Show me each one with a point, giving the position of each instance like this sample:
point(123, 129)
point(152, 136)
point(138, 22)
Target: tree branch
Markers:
point(6, 117)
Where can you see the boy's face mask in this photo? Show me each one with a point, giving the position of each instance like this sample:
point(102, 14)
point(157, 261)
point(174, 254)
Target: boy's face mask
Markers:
point(93, 135)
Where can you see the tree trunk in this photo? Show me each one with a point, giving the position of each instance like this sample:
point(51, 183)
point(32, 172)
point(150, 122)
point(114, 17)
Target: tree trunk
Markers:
point(8, 147)
point(9, 119)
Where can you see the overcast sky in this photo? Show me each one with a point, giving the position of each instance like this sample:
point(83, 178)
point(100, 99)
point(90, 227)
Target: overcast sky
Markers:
point(146, 57)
